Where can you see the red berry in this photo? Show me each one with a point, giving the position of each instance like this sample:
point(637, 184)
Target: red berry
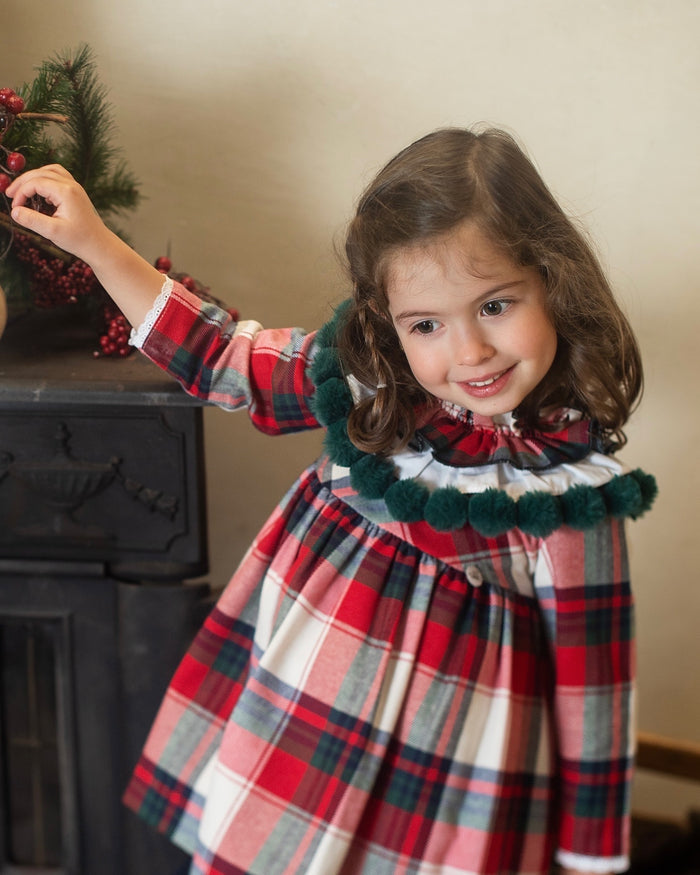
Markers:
point(234, 314)
point(189, 283)
point(5, 95)
point(163, 263)
point(4, 182)
point(15, 104)
point(15, 162)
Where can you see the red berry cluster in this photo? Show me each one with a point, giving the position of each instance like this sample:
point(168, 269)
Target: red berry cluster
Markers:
point(12, 102)
point(11, 163)
point(52, 280)
point(114, 341)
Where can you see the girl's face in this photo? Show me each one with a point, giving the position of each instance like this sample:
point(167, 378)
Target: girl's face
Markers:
point(472, 323)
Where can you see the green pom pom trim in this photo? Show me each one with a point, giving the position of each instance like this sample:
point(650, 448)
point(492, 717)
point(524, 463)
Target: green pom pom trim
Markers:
point(649, 489)
point(492, 512)
point(406, 500)
point(539, 514)
point(447, 509)
point(622, 496)
point(583, 507)
point(332, 401)
point(327, 333)
point(339, 446)
point(324, 366)
point(371, 476)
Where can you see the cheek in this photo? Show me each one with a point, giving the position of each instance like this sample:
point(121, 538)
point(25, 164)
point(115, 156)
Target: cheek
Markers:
point(423, 364)
point(542, 341)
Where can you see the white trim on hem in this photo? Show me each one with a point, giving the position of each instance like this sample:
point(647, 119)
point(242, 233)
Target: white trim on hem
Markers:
point(592, 864)
point(138, 335)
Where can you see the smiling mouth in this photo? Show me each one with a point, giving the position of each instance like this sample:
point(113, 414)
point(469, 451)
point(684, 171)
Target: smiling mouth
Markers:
point(489, 386)
point(478, 384)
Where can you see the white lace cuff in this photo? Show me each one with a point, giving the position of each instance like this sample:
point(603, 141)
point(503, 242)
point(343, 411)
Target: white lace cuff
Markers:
point(592, 864)
point(138, 335)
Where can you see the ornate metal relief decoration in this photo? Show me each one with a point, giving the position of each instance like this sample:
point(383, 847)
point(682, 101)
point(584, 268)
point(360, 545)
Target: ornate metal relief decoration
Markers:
point(65, 484)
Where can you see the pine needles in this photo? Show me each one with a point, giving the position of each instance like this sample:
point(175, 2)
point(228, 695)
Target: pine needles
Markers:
point(67, 84)
point(66, 120)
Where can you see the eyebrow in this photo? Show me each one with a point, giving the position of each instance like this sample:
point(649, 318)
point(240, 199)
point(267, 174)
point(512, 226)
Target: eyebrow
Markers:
point(411, 315)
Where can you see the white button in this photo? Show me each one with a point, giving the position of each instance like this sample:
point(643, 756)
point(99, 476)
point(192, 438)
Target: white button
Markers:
point(474, 576)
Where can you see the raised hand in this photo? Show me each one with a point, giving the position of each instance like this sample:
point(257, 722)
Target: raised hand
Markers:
point(69, 219)
point(72, 223)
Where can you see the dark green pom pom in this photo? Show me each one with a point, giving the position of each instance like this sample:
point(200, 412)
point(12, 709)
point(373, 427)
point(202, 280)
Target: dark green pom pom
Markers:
point(648, 487)
point(339, 446)
point(447, 509)
point(623, 496)
point(371, 476)
point(583, 507)
point(406, 500)
point(332, 401)
point(327, 333)
point(325, 365)
point(539, 514)
point(492, 512)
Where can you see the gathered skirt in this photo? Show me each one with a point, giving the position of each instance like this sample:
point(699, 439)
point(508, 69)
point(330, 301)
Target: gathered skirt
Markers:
point(355, 705)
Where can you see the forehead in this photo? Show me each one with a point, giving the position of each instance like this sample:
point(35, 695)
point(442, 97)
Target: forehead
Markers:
point(465, 253)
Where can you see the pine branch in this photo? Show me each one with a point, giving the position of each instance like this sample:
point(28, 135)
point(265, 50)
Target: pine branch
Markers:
point(57, 117)
point(66, 91)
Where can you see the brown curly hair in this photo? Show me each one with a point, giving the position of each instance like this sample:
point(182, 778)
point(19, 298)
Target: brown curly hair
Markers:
point(456, 175)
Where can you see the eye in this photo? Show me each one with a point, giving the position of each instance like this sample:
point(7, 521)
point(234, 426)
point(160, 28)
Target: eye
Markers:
point(425, 326)
point(495, 308)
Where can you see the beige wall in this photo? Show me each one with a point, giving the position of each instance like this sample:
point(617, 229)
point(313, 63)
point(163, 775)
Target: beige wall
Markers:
point(253, 126)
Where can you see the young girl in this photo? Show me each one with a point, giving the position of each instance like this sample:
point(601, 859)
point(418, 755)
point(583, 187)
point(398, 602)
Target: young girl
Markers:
point(424, 664)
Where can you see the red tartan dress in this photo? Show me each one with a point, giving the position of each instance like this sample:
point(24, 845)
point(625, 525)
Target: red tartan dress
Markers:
point(400, 677)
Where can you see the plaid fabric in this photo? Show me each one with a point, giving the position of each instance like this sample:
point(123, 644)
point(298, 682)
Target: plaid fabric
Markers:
point(475, 442)
point(355, 704)
point(192, 340)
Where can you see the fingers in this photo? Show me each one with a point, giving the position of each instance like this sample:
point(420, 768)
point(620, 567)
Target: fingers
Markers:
point(33, 220)
point(48, 182)
point(72, 215)
point(49, 172)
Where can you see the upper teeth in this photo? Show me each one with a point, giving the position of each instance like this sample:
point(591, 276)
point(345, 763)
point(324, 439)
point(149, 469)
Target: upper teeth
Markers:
point(486, 382)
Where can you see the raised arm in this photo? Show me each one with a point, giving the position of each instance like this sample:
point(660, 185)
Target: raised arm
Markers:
point(75, 226)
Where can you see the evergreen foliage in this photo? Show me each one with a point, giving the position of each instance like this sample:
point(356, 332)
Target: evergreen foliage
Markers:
point(68, 85)
point(66, 120)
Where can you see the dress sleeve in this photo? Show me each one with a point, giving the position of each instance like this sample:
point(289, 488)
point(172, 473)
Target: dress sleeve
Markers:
point(582, 581)
point(231, 364)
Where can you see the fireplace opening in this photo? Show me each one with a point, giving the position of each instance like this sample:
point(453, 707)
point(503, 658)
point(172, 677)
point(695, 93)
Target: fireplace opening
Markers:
point(34, 741)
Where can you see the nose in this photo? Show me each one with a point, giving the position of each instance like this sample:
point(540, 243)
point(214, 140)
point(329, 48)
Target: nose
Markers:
point(473, 347)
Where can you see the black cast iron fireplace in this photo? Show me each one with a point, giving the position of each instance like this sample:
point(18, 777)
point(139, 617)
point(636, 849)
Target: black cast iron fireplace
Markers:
point(101, 523)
